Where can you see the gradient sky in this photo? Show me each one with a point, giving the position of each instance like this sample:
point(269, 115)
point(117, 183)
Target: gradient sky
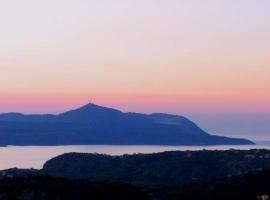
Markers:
point(177, 56)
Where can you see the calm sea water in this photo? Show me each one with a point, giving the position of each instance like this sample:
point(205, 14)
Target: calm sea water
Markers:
point(36, 156)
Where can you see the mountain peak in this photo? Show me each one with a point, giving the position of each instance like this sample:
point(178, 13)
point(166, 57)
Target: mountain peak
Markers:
point(90, 105)
point(90, 111)
point(94, 107)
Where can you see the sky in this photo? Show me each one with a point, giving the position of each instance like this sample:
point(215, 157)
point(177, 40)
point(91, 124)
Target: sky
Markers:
point(175, 56)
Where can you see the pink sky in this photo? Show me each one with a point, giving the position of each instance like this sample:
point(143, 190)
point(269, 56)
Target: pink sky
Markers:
point(144, 56)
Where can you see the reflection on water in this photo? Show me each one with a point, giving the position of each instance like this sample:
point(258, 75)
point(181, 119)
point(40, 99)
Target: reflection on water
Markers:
point(35, 156)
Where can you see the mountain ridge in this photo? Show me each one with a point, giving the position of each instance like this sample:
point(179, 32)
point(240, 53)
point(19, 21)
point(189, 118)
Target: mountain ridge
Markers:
point(94, 124)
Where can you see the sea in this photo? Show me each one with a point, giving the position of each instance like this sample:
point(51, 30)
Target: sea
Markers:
point(36, 156)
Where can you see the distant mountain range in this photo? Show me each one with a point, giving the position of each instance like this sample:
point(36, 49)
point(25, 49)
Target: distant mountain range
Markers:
point(94, 124)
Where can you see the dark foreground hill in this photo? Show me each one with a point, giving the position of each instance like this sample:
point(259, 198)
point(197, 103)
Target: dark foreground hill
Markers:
point(166, 168)
point(52, 188)
point(202, 175)
point(251, 186)
point(93, 124)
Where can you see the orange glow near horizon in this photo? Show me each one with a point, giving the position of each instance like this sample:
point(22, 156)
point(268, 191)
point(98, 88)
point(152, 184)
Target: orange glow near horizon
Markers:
point(57, 103)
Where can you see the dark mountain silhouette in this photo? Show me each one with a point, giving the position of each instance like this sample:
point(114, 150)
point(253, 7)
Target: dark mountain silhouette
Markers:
point(235, 174)
point(93, 124)
point(166, 168)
